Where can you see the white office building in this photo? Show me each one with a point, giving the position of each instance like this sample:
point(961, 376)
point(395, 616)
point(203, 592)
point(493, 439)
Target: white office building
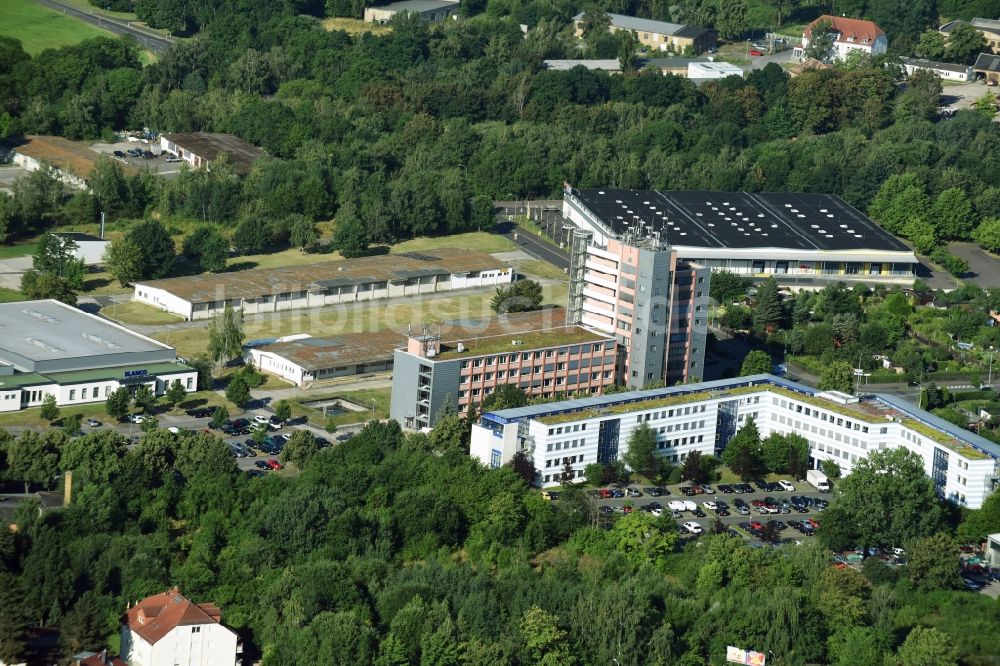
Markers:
point(704, 417)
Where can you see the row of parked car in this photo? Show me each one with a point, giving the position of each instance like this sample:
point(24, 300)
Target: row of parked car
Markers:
point(738, 488)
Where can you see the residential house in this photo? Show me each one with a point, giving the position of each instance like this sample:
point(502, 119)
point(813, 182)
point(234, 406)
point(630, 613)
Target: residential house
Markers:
point(849, 34)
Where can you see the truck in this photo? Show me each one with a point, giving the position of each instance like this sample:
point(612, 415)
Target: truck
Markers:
point(818, 480)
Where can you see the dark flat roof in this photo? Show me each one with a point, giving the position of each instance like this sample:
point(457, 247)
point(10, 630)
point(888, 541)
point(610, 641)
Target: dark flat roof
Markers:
point(208, 145)
point(987, 62)
point(742, 220)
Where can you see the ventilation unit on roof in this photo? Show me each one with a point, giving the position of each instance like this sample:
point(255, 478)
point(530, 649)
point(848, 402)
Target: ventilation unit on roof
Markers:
point(44, 346)
point(41, 315)
point(101, 341)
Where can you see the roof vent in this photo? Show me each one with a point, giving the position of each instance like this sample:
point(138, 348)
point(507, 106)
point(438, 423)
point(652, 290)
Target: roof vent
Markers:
point(44, 346)
point(101, 341)
point(41, 315)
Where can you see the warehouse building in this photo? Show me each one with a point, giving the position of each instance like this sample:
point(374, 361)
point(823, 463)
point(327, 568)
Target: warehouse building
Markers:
point(659, 35)
point(703, 417)
point(801, 239)
point(69, 161)
point(49, 347)
point(325, 283)
point(303, 359)
point(200, 149)
point(947, 71)
point(434, 11)
point(430, 373)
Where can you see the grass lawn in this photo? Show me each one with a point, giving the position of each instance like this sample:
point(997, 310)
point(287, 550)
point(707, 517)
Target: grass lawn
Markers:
point(40, 28)
point(365, 397)
point(476, 241)
point(11, 295)
point(355, 26)
point(95, 410)
point(21, 249)
point(539, 269)
point(362, 318)
point(139, 313)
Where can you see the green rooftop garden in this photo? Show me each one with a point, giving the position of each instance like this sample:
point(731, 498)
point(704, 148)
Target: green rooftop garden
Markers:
point(532, 340)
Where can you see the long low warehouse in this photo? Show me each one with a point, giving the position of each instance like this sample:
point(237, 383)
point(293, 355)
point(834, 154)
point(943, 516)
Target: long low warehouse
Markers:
point(325, 283)
point(800, 238)
point(303, 360)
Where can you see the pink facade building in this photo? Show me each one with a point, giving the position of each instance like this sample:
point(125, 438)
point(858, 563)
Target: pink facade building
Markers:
point(429, 373)
point(655, 305)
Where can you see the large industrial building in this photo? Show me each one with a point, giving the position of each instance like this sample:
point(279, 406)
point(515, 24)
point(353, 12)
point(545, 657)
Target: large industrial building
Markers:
point(49, 347)
point(659, 35)
point(801, 239)
point(326, 283)
point(655, 306)
point(200, 149)
point(703, 417)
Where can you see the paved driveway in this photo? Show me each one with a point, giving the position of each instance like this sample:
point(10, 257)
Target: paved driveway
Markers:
point(11, 271)
point(984, 270)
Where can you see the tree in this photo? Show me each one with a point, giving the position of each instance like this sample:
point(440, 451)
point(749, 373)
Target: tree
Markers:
point(756, 362)
point(693, 468)
point(117, 404)
point(524, 466)
point(732, 20)
point(545, 643)
point(953, 214)
point(830, 468)
point(627, 51)
point(331, 424)
point(932, 563)
point(220, 416)
point(521, 296)
point(888, 500)
point(302, 232)
point(767, 310)
point(743, 452)
point(987, 234)
point(225, 335)
point(49, 411)
point(156, 248)
point(283, 410)
point(820, 42)
point(71, 424)
point(505, 396)
point(56, 272)
point(930, 45)
point(124, 260)
point(837, 376)
point(727, 287)
point(350, 238)
point(37, 285)
point(926, 646)
point(209, 247)
point(32, 458)
point(300, 449)
point(144, 398)
point(595, 21)
point(238, 392)
point(175, 393)
point(449, 433)
point(641, 455)
point(965, 43)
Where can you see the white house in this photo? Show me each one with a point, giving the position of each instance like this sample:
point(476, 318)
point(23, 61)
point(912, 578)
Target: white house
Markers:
point(849, 34)
point(89, 249)
point(168, 629)
point(946, 70)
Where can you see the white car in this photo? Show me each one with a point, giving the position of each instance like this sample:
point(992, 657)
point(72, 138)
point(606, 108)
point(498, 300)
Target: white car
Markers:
point(692, 527)
point(263, 420)
point(677, 505)
point(711, 506)
point(690, 506)
point(785, 485)
point(174, 429)
point(137, 418)
point(709, 490)
point(656, 512)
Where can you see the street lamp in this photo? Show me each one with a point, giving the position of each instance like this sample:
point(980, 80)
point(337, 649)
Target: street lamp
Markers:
point(989, 382)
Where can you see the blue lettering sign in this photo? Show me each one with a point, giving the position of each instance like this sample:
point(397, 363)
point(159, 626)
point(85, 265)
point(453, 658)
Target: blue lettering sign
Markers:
point(135, 373)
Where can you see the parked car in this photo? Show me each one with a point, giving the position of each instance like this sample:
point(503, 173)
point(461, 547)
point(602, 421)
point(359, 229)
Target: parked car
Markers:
point(692, 527)
point(260, 464)
point(726, 488)
point(756, 52)
point(138, 418)
point(709, 490)
point(261, 419)
point(93, 423)
point(632, 492)
point(785, 485)
point(711, 506)
point(549, 495)
point(118, 153)
point(273, 463)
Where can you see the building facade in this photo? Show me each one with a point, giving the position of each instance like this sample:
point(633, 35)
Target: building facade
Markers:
point(989, 66)
point(51, 348)
point(429, 374)
point(200, 149)
point(434, 11)
point(801, 239)
point(169, 630)
point(659, 35)
point(703, 417)
point(325, 283)
point(945, 70)
point(656, 307)
point(849, 34)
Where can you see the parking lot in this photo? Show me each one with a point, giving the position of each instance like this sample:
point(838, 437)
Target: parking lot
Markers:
point(158, 164)
point(723, 505)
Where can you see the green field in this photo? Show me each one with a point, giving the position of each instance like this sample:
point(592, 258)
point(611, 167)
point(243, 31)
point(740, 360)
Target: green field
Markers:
point(40, 28)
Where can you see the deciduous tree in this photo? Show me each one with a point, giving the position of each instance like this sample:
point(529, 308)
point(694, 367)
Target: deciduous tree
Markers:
point(225, 335)
point(755, 363)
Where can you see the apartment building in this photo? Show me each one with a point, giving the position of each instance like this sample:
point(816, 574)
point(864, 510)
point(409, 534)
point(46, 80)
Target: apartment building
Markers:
point(430, 372)
point(849, 34)
point(963, 466)
point(656, 307)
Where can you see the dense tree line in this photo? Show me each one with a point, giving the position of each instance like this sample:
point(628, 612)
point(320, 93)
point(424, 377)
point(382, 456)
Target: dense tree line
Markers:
point(354, 561)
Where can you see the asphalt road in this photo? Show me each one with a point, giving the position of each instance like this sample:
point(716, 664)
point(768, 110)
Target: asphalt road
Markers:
point(984, 270)
point(534, 246)
point(151, 41)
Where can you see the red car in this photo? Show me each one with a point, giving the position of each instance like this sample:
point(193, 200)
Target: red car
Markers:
point(813, 522)
point(698, 490)
point(757, 503)
point(605, 493)
point(756, 525)
point(274, 464)
point(756, 52)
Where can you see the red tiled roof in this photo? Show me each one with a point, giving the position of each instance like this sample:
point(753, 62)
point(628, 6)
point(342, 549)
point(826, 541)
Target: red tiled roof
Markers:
point(102, 659)
point(856, 31)
point(156, 616)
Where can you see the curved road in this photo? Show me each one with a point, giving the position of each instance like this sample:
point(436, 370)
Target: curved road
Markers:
point(151, 41)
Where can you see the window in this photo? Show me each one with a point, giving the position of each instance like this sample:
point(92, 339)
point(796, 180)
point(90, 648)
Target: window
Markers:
point(72, 394)
point(83, 394)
